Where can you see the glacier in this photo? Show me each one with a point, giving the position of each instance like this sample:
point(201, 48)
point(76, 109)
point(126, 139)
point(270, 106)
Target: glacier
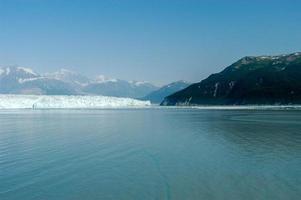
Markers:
point(67, 102)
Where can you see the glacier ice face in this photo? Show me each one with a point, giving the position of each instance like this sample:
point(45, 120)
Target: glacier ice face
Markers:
point(66, 102)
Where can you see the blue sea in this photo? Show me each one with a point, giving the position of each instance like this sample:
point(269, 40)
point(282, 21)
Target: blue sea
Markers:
point(150, 153)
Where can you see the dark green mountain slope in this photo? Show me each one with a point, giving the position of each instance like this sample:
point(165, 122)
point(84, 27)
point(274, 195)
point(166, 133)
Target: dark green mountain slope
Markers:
point(251, 80)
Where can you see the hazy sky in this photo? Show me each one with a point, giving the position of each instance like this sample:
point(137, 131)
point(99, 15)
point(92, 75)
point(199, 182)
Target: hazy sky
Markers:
point(152, 40)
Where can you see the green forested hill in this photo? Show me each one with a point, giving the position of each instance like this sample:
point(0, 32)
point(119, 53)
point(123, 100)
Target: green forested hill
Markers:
point(250, 80)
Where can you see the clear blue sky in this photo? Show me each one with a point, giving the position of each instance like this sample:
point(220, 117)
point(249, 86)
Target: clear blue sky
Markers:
point(157, 41)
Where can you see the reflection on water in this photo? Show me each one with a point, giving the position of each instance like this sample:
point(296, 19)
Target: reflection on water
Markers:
point(150, 154)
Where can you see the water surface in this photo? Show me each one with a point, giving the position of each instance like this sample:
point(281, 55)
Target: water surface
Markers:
point(150, 154)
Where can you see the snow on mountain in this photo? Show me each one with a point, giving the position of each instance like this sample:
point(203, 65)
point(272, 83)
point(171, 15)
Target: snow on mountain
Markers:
point(7, 70)
point(20, 72)
point(66, 102)
point(48, 86)
point(20, 80)
point(26, 70)
point(69, 77)
point(118, 88)
point(104, 79)
point(2, 71)
point(10, 76)
point(139, 83)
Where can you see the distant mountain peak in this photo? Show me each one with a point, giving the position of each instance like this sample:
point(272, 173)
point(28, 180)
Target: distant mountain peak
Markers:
point(157, 96)
point(104, 79)
point(15, 69)
point(69, 76)
point(139, 83)
point(103, 85)
point(27, 70)
point(18, 72)
point(62, 72)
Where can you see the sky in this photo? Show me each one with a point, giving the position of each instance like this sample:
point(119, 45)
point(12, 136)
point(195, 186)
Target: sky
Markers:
point(158, 41)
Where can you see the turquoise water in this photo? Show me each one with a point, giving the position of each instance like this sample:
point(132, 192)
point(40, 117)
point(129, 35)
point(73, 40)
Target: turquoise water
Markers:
point(150, 154)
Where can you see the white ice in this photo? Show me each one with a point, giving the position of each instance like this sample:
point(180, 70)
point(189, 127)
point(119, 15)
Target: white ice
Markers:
point(68, 102)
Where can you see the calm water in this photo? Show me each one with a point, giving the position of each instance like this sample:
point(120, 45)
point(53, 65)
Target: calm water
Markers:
point(150, 154)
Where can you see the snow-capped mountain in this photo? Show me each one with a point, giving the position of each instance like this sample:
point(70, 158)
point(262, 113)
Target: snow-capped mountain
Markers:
point(11, 78)
point(19, 80)
point(68, 76)
point(158, 95)
point(14, 72)
point(118, 88)
point(103, 79)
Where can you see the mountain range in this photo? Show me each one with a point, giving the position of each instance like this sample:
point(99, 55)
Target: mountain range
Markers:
point(20, 80)
point(119, 88)
point(250, 80)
